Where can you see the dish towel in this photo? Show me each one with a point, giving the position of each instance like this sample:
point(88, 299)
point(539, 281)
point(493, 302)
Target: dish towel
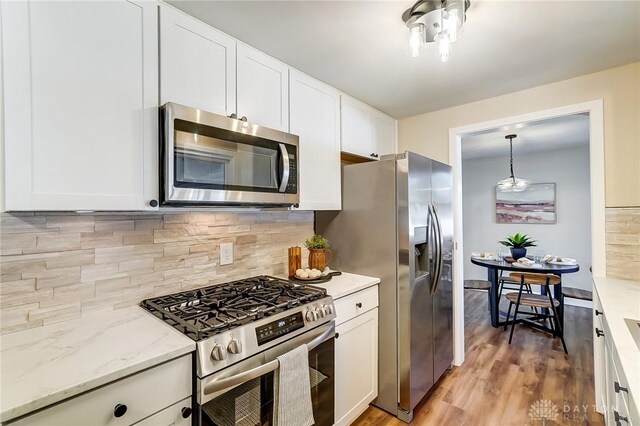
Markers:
point(292, 390)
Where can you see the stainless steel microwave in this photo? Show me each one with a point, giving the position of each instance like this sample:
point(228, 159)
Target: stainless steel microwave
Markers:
point(210, 159)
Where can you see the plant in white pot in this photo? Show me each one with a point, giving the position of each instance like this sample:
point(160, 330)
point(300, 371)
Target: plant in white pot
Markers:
point(518, 244)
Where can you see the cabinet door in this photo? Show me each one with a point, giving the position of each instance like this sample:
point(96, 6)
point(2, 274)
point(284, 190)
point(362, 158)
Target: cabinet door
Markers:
point(599, 360)
point(384, 128)
point(358, 136)
point(356, 366)
point(123, 402)
point(81, 93)
point(179, 414)
point(197, 64)
point(315, 118)
point(263, 89)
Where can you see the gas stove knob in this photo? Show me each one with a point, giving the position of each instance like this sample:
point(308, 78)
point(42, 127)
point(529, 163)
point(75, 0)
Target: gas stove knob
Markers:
point(329, 309)
point(311, 316)
point(218, 353)
point(235, 346)
point(322, 311)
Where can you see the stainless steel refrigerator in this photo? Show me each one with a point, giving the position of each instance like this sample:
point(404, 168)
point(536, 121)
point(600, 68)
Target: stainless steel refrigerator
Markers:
point(396, 223)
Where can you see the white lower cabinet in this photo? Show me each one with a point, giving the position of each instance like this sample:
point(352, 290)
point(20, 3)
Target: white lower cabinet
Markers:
point(179, 414)
point(356, 368)
point(612, 391)
point(126, 401)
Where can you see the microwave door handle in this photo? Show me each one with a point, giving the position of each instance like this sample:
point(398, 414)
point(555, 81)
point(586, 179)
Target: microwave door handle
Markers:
point(286, 166)
point(230, 382)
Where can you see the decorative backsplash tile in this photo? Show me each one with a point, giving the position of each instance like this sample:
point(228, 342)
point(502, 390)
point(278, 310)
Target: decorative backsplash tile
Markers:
point(59, 266)
point(623, 243)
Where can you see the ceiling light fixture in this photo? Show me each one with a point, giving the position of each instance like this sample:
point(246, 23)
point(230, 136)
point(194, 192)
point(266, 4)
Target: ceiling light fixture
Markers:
point(512, 184)
point(437, 21)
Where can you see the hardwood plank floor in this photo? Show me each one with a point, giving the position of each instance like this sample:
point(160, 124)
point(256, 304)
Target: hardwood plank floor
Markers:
point(498, 382)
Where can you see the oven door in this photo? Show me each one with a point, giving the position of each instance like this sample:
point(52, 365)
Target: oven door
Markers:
point(212, 159)
point(243, 393)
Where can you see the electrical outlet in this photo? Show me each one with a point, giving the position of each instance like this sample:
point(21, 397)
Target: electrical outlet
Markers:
point(226, 253)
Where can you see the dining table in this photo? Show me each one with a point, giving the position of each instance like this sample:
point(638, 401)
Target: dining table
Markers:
point(494, 268)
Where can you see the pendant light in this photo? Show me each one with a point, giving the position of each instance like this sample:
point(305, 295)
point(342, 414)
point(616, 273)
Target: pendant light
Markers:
point(512, 184)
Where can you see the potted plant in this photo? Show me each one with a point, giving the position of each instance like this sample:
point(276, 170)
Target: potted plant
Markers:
point(318, 247)
point(518, 244)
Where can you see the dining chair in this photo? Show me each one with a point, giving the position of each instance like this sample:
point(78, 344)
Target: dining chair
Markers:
point(508, 283)
point(477, 285)
point(537, 301)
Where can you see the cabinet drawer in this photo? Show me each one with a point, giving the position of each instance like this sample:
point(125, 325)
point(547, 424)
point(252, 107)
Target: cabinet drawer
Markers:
point(355, 304)
point(143, 394)
point(171, 416)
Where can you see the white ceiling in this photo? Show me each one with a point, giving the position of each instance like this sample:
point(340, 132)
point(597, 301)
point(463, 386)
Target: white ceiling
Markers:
point(360, 47)
point(545, 135)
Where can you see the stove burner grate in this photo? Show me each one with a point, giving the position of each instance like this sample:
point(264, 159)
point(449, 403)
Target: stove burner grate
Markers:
point(211, 310)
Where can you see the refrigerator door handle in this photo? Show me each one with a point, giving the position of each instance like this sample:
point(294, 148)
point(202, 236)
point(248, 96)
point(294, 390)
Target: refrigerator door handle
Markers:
point(439, 243)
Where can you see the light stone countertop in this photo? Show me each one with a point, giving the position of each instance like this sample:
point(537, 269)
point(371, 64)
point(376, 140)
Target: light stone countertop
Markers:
point(45, 365)
point(347, 283)
point(621, 299)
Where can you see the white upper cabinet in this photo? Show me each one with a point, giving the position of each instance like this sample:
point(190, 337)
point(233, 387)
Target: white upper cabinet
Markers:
point(366, 131)
point(197, 64)
point(385, 133)
point(262, 89)
point(81, 105)
point(315, 118)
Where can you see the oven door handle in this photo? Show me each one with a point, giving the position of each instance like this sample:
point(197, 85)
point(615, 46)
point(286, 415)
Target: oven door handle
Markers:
point(286, 167)
point(254, 373)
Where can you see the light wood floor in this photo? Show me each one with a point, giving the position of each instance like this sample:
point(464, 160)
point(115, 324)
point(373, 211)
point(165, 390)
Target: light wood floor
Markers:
point(498, 382)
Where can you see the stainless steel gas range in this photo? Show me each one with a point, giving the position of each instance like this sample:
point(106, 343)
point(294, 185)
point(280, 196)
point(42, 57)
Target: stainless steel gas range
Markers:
point(241, 328)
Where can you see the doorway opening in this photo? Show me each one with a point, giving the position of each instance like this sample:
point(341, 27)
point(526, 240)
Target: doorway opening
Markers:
point(567, 138)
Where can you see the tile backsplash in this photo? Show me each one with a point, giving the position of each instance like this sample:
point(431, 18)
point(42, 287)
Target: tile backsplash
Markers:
point(623, 243)
point(59, 266)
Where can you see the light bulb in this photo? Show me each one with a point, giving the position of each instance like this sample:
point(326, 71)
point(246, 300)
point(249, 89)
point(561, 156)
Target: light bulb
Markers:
point(444, 47)
point(415, 40)
point(451, 24)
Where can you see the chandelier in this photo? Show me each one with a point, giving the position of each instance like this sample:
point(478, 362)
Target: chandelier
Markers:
point(512, 183)
point(438, 21)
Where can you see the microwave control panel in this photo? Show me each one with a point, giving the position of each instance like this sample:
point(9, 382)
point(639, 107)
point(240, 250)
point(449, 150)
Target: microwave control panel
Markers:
point(292, 186)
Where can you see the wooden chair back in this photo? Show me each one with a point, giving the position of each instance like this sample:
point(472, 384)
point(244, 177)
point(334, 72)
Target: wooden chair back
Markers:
point(537, 279)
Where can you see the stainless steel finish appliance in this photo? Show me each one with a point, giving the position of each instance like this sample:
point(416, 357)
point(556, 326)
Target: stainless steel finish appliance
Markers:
point(396, 223)
point(240, 329)
point(210, 159)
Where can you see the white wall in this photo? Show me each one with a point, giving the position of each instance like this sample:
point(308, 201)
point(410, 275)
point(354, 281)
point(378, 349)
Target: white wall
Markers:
point(569, 237)
point(619, 88)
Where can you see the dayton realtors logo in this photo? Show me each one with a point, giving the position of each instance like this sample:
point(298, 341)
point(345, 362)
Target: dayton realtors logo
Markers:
point(544, 410)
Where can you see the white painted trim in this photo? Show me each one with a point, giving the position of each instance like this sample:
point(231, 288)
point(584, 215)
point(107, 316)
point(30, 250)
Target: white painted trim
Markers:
point(455, 158)
point(598, 202)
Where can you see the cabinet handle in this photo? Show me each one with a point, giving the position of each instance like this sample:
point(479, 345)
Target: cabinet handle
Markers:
point(153, 203)
point(186, 412)
point(599, 332)
point(618, 388)
point(598, 312)
point(619, 418)
point(372, 155)
point(233, 115)
point(119, 410)
point(337, 335)
point(358, 305)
